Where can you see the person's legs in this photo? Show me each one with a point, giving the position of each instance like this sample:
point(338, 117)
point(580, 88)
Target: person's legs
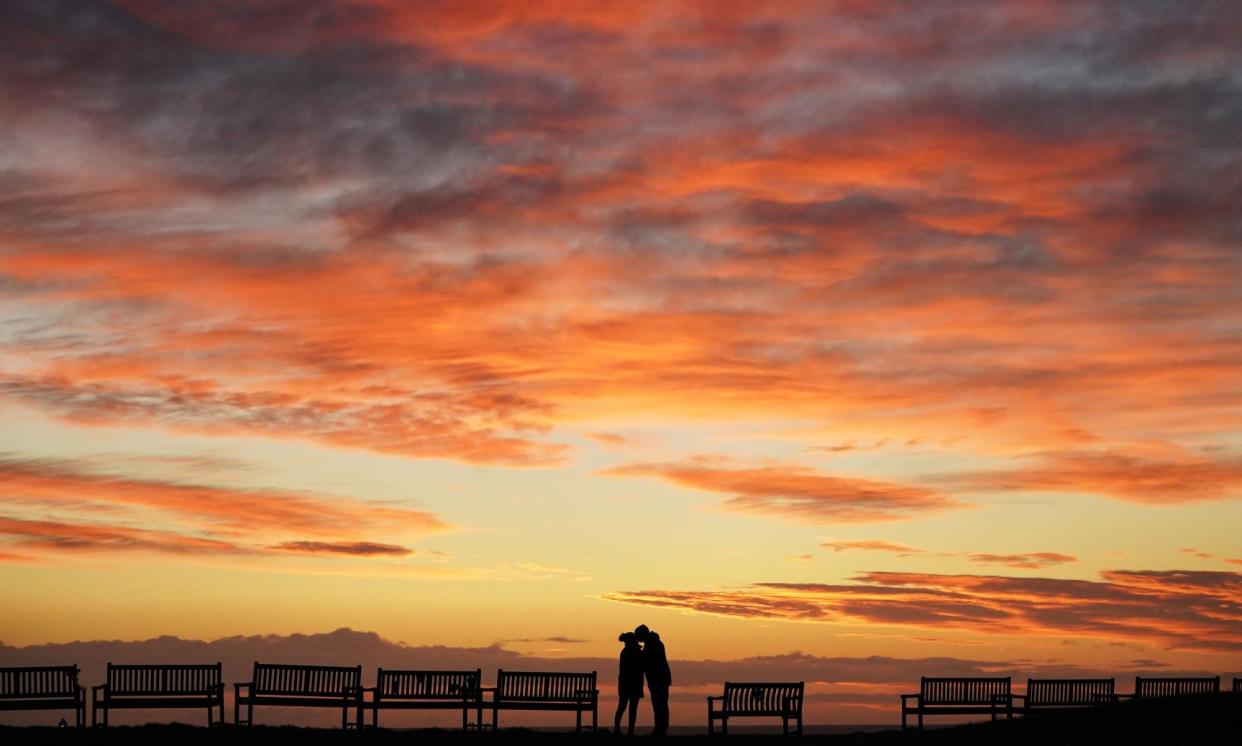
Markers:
point(633, 713)
point(659, 710)
point(616, 719)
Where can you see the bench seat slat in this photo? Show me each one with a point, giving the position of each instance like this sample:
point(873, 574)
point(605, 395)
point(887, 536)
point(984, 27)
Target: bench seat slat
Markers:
point(959, 696)
point(546, 690)
point(38, 688)
point(1055, 693)
point(758, 699)
point(296, 685)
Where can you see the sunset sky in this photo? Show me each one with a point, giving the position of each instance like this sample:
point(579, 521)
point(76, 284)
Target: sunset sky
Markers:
point(846, 328)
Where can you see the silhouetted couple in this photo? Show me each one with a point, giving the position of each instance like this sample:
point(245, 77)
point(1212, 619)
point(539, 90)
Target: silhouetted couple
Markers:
point(637, 662)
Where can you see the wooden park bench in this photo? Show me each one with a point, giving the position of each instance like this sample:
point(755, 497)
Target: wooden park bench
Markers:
point(427, 690)
point(1145, 688)
point(162, 686)
point(757, 699)
point(539, 690)
point(300, 686)
point(958, 696)
point(1057, 694)
point(43, 688)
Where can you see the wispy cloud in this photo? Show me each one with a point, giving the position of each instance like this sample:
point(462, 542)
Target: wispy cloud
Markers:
point(1165, 475)
point(349, 548)
point(794, 492)
point(201, 519)
point(1026, 560)
point(1176, 608)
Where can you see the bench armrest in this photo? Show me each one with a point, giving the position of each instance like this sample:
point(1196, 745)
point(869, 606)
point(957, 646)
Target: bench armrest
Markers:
point(1018, 696)
point(905, 697)
point(242, 685)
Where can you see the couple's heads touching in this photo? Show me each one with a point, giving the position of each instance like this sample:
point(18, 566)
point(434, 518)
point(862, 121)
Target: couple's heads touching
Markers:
point(641, 634)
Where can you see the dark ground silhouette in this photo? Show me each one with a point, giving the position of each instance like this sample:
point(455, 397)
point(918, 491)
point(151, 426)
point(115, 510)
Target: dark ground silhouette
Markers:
point(1185, 720)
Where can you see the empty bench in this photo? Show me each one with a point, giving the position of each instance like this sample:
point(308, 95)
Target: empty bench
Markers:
point(43, 688)
point(1058, 694)
point(1145, 688)
point(427, 690)
point(958, 696)
point(300, 686)
point(164, 686)
point(540, 690)
point(757, 699)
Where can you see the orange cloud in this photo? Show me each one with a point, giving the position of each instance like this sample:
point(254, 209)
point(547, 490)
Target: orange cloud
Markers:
point(794, 492)
point(1180, 609)
point(195, 519)
point(1168, 477)
point(60, 482)
point(761, 219)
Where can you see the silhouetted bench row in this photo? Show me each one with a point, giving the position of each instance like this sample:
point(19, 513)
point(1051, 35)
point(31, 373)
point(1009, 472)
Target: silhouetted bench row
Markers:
point(992, 695)
point(201, 686)
point(334, 686)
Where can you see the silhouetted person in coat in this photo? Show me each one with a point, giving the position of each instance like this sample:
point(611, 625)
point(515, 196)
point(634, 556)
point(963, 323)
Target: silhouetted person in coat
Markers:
point(629, 681)
point(659, 676)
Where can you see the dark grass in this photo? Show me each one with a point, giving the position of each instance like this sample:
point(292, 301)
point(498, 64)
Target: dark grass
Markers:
point(1174, 721)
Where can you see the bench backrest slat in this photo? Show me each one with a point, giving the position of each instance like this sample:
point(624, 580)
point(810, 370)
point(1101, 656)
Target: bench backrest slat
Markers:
point(756, 697)
point(427, 684)
point(542, 686)
point(309, 681)
point(38, 681)
point(1175, 687)
point(1068, 692)
point(962, 691)
point(163, 679)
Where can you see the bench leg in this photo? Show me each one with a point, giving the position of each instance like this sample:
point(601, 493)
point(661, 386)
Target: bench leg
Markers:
point(724, 726)
point(495, 713)
point(920, 717)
